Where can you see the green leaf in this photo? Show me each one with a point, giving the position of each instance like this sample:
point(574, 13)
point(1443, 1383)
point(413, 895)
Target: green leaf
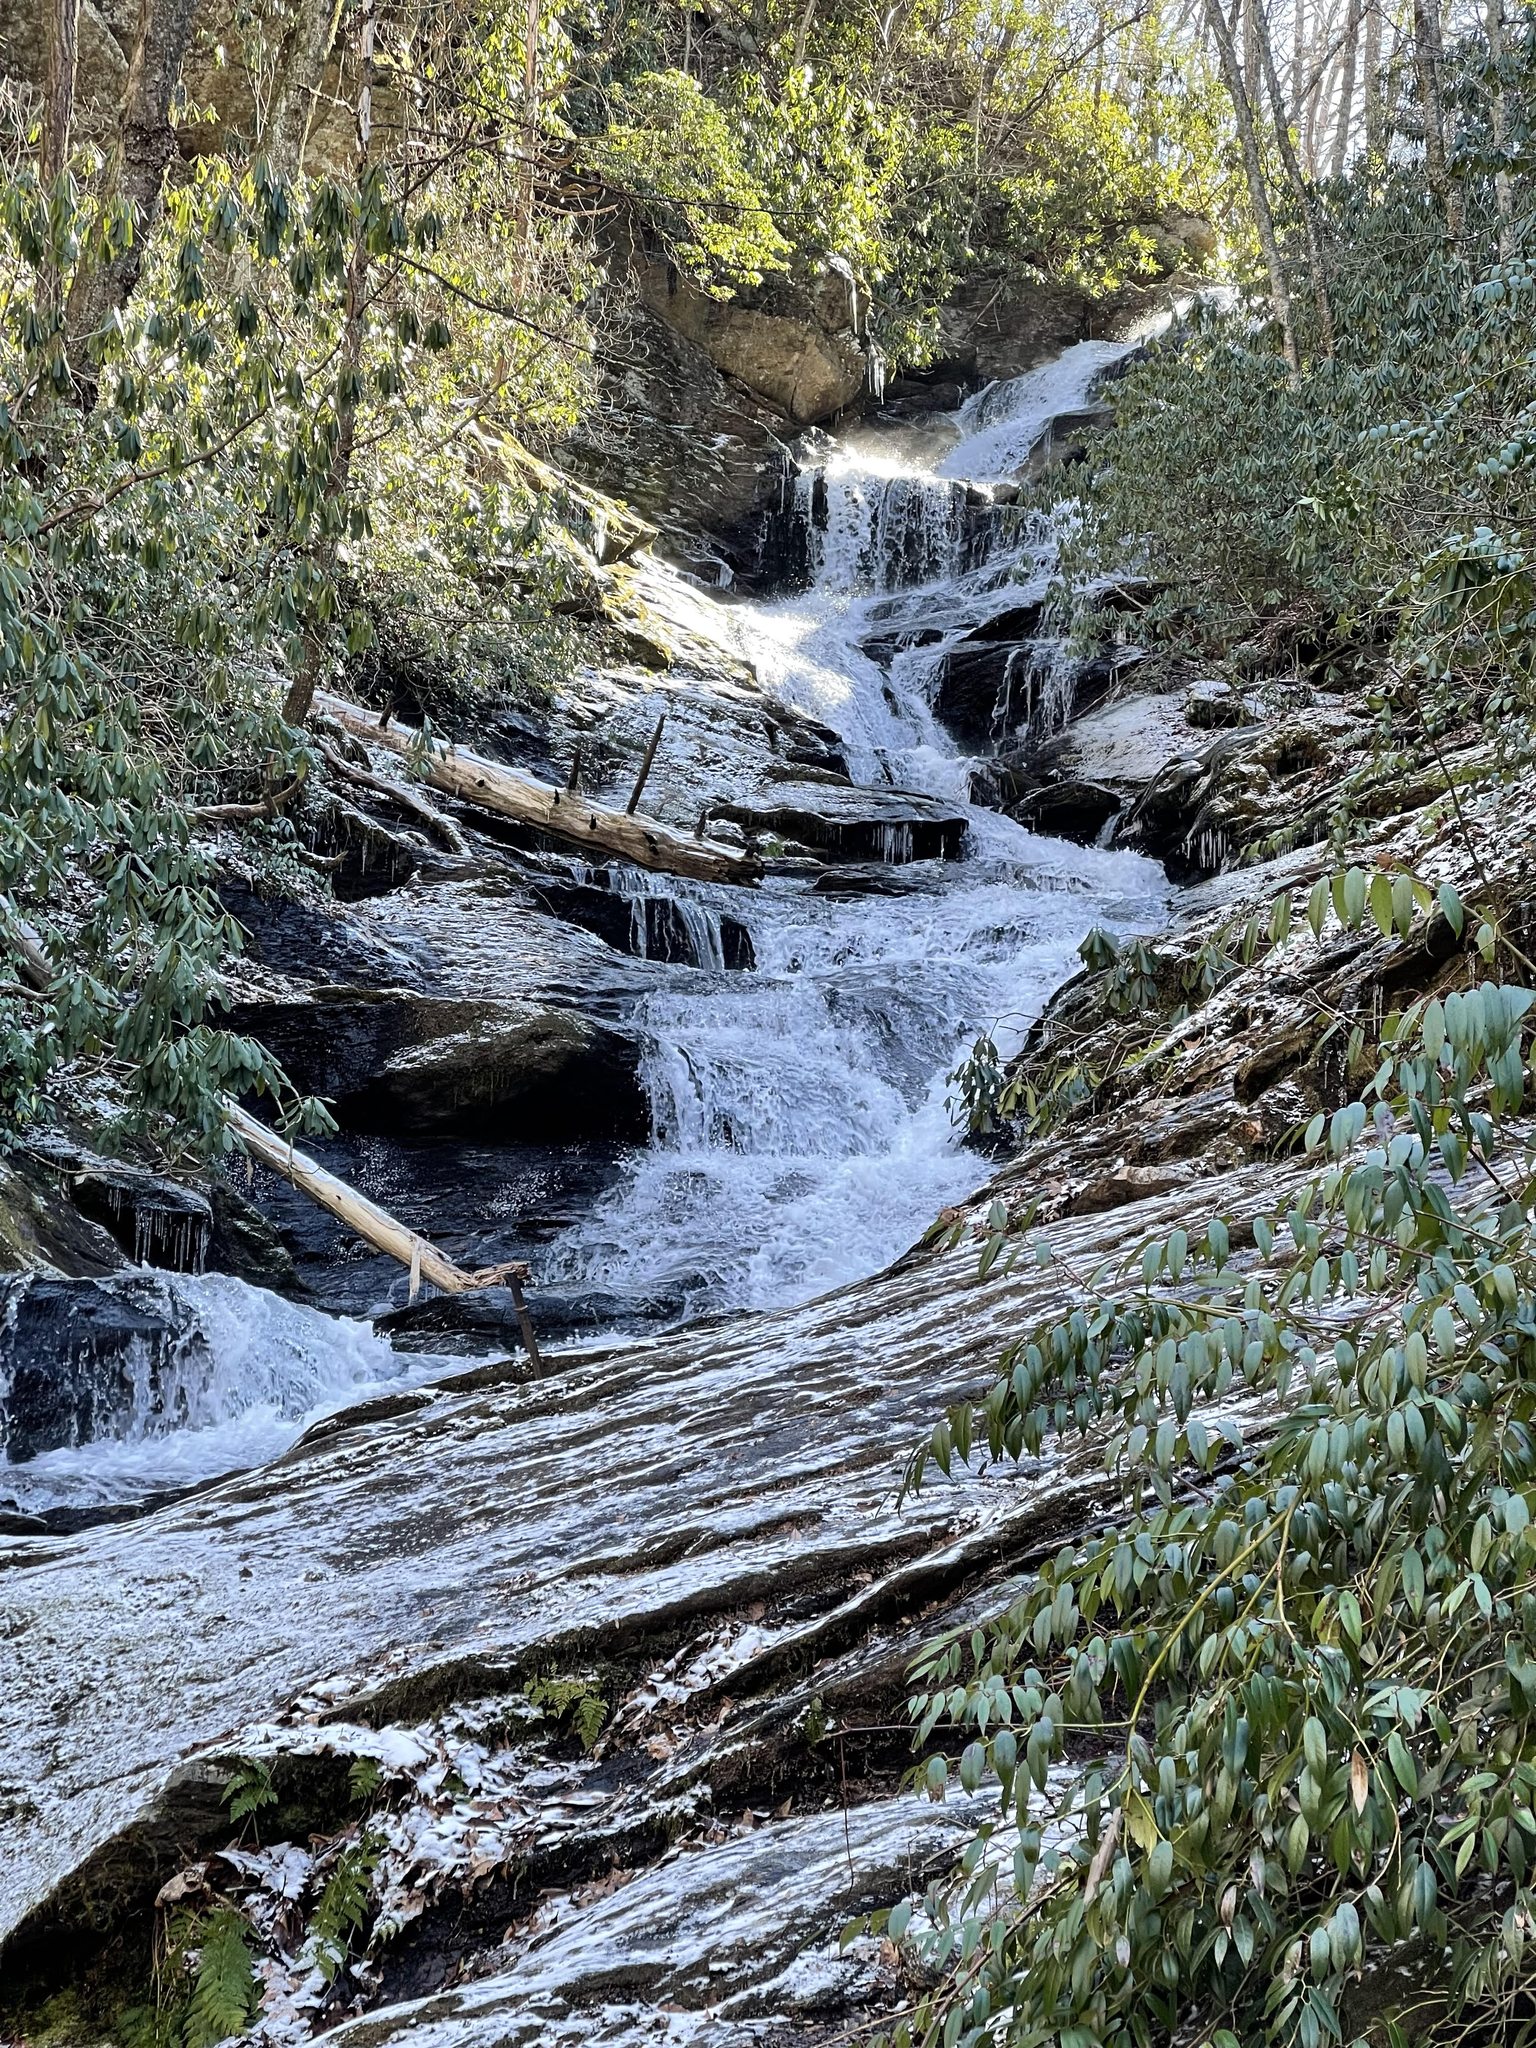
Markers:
point(224, 1989)
point(1403, 1767)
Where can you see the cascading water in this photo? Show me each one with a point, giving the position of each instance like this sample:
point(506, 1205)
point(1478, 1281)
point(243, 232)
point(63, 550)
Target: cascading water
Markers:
point(801, 1134)
point(796, 1079)
point(160, 1380)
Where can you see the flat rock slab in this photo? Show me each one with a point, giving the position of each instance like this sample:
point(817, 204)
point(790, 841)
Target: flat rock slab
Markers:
point(734, 1939)
point(844, 822)
point(430, 1555)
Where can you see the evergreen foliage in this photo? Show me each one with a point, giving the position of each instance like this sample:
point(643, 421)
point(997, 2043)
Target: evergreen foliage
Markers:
point(1305, 1658)
point(1371, 513)
point(1265, 1743)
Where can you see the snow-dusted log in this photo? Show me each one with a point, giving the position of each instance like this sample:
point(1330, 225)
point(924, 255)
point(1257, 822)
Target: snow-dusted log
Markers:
point(375, 1225)
point(564, 813)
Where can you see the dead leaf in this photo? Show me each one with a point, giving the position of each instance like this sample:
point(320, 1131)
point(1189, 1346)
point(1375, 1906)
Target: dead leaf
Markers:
point(1359, 1781)
point(186, 1884)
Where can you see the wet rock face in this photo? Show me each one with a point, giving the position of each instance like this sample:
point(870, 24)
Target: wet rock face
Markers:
point(796, 349)
point(1011, 679)
point(79, 1358)
point(651, 927)
point(546, 1079)
point(419, 1066)
point(1065, 441)
point(841, 823)
point(157, 1221)
point(39, 1225)
point(1075, 810)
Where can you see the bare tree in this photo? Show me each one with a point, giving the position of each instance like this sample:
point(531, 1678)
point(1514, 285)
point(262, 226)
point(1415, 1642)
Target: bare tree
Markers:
point(58, 120)
point(301, 74)
point(1375, 103)
point(1300, 191)
point(1427, 61)
point(527, 181)
point(1253, 165)
point(1346, 107)
point(349, 380)
point(141, 154)
point(1503, 194)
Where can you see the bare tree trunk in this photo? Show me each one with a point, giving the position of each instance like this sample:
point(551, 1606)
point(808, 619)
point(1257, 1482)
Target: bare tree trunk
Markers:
point(1375, 105)
point(1319, 93)
point(1346, 89)
point(525, 197)
point(58, 120)
point(1503, 193)
point(338, 474)
point(1298, 55)
point(59, 112)
point(141, 155)
point(1426, 64)
point(803, 32)
point(1253, 164)
point(305, 58)
point(1299, 189)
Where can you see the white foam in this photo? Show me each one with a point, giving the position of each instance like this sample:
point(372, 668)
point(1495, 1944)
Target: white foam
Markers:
point(801, 1132)
point(253, 1374)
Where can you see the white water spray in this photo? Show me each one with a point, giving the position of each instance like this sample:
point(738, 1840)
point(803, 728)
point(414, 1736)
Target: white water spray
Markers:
point(801, 1135)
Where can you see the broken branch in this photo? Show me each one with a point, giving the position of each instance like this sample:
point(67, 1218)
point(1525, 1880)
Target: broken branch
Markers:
point(509, 794)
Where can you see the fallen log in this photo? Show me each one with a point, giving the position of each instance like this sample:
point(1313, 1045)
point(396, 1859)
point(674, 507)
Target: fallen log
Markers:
point(442, 828)
point(563, 813)
point(371, 1223)
point(375, 1225)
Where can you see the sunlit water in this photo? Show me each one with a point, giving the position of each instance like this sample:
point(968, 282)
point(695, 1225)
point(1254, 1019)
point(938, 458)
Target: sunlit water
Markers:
point(802, 1135)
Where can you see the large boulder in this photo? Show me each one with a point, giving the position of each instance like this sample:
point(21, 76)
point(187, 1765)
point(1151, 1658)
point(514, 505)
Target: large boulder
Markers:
point(423, 1066)
point(796, 348)
point(699, 395)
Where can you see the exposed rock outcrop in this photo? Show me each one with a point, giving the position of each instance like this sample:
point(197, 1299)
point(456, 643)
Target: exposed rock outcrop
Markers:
point(740, 1600)
point(424, 1066)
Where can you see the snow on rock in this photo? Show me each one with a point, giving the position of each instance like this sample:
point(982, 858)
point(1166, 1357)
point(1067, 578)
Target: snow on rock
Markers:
point(633, 1511)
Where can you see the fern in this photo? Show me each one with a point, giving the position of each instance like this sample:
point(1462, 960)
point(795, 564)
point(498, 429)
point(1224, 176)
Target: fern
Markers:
point(575, 1700)
point(147, 2026)
point(343, 1907)
point(363, 1779)
point(249, 1789)
point(224, 1995)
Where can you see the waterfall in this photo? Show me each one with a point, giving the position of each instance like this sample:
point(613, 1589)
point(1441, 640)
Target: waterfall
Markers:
point(156, 1380)
point(665, 922)
point(800, 1130)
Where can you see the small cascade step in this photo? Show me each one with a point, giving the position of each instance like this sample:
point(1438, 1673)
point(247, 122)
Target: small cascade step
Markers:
point(851, 823)
point(649, 924)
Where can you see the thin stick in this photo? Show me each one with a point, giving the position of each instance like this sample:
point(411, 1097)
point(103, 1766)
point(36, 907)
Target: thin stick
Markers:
point(525, 1324)
point(645, 765)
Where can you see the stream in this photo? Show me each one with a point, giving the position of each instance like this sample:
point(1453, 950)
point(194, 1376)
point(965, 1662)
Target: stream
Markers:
point(801, 1137)
point(801, 1132)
